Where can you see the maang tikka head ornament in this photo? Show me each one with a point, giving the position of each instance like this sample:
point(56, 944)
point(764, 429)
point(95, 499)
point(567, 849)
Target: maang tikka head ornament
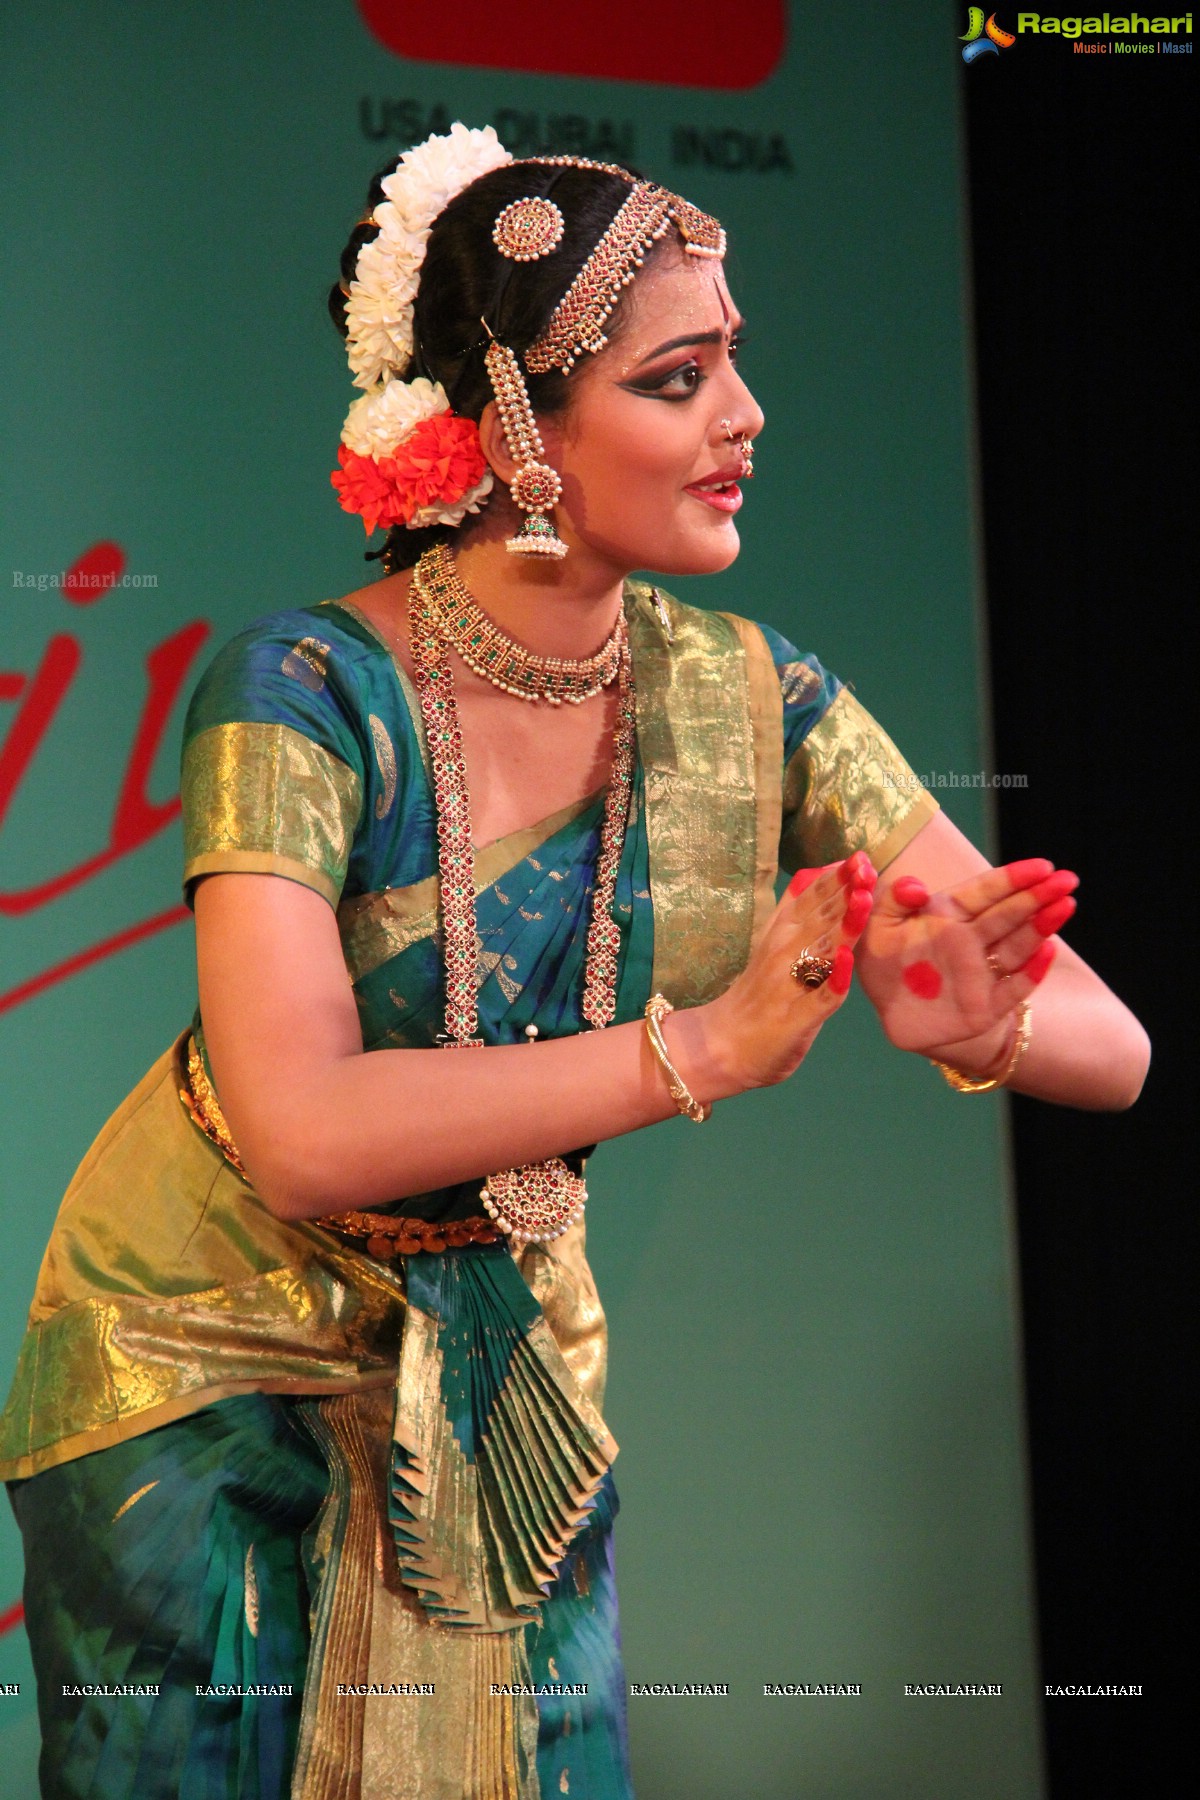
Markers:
point(405, 457)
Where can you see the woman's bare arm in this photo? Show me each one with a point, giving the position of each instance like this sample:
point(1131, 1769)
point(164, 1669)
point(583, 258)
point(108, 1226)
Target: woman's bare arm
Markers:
point(1087, 1049)
point(322, 1127)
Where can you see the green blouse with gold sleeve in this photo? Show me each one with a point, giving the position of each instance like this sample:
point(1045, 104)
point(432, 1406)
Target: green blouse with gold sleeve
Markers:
point(167, 1284)
point(846, 786)
point(304, 756)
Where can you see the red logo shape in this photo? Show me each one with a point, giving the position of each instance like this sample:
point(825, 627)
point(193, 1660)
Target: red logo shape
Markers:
point(136, 817)
point(96, 571)
point(676, 43)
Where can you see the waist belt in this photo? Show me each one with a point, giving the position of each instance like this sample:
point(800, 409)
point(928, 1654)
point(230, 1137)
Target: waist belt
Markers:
point(384, 1235)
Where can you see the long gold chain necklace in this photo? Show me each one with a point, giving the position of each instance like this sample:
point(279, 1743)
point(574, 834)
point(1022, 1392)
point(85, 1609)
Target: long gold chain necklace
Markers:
point(538, 1201)
point(492, 654)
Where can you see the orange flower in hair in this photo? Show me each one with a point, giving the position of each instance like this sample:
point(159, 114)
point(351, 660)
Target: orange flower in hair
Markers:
point(366, 487)
point(436, 465)
point(435, 475)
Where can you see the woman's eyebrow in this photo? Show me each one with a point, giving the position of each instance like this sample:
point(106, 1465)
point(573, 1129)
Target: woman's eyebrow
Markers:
point(695, 337)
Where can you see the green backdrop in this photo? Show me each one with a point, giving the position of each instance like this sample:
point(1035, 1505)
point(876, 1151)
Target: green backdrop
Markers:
point(815, 1363)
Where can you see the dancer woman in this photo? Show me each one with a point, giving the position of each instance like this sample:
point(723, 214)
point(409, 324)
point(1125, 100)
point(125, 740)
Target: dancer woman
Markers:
point(306, 1440)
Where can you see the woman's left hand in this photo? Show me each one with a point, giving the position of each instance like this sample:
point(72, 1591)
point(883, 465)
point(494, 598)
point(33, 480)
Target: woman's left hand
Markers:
point(943, 970)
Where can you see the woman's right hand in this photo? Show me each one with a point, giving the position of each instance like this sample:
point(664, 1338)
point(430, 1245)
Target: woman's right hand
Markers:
point(323, 1126)
point(760, 1029)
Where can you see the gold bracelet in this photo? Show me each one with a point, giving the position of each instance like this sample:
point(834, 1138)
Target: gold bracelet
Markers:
point(971, 1084)
point(657, 1008)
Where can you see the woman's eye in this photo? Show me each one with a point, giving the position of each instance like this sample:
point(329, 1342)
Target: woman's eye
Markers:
point(684, 380)
point(675, 384)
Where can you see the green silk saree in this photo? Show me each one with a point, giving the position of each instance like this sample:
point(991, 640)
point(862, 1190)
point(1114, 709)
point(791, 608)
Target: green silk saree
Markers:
point(247, 1456)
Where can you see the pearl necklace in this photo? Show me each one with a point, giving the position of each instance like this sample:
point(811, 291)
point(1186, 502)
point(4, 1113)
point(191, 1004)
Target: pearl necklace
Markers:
point(492, 654)
point(538, 1201)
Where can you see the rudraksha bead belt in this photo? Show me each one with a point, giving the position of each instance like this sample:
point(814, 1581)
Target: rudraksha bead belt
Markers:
point(383, 1235)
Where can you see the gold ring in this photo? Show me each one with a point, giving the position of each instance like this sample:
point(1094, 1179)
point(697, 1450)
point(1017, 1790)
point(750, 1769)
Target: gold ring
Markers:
point(993, 963)
point(811, 971)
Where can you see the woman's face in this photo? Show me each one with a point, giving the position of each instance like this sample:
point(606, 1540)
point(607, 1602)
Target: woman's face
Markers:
point(649, 471)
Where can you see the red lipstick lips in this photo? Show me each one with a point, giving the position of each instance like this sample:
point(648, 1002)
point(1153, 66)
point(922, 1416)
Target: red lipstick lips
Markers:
point(725, 477)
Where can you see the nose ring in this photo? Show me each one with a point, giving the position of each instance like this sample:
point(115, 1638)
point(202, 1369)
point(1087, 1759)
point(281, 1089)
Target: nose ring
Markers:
point(742, 439)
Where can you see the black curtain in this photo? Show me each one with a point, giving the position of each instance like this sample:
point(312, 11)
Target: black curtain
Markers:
point(1081, 176)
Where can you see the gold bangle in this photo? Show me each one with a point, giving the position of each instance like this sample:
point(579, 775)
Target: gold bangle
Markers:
point(657, 1008)
point(971, 1084)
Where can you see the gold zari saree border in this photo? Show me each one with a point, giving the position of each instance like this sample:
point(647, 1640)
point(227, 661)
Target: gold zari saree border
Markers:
point(848, 788)
point(265, 798)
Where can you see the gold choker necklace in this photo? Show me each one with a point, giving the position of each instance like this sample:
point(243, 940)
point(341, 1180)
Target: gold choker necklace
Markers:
point(492, 654)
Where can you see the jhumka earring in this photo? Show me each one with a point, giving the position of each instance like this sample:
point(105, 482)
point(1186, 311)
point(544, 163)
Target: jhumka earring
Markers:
point(535, 486)
point(524, 232)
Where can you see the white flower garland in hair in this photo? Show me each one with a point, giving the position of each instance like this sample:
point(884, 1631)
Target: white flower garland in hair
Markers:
point(379, 308)
point(379, 419)
point(397, 467)
point(405, 459)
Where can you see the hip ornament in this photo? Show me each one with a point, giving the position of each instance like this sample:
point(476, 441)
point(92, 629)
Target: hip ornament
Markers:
point(537, 1202)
